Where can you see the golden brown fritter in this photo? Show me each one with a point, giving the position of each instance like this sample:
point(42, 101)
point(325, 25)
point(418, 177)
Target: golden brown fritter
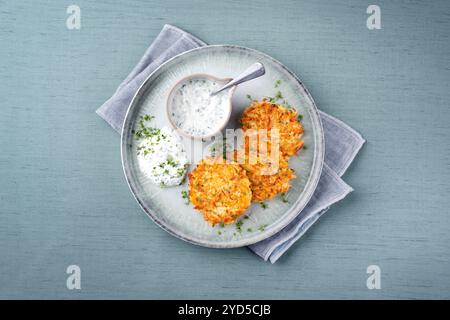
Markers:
point(269, 116)
point(220, 190)
point(267, 179)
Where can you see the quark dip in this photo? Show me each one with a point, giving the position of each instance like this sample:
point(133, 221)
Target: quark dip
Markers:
point(194, 111)
point(161, 156)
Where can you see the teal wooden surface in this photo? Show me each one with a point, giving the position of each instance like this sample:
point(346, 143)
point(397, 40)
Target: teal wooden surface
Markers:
point(64, 200)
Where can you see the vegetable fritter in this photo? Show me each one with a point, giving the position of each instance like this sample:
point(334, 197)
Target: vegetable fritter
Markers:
point(267, 115)
point(267, 178)
point(220, 189)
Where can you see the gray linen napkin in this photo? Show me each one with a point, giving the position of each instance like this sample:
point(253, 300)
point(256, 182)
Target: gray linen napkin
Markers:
point(342, 143)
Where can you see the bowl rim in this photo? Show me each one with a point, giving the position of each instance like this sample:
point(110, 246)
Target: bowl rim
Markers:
point(310, 186)
point(193, 76)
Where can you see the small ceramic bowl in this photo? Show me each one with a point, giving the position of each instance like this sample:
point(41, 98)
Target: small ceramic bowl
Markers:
point(221, 81)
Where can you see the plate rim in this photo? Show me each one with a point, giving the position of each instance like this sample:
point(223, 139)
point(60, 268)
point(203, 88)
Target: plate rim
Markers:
point(311, 183)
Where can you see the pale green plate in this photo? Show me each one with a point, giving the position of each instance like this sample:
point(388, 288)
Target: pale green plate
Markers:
point(165, 205)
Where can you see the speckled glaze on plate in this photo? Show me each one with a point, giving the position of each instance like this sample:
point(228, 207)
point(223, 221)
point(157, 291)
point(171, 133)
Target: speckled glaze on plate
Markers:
point(166, 206)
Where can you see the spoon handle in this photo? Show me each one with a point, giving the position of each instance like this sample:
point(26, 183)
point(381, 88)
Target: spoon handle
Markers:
point(254, 71)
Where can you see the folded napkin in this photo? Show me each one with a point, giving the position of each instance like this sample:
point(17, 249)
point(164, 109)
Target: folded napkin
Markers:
point(342, 143)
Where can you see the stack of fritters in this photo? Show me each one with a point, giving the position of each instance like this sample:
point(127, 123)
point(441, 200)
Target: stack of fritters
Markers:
point(265, 118)
point(222, 189)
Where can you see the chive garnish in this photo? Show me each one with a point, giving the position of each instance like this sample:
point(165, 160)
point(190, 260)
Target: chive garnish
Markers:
point(185, 196)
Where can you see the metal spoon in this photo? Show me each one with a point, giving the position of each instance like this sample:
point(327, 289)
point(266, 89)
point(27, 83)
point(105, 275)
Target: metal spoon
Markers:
point(254, 71)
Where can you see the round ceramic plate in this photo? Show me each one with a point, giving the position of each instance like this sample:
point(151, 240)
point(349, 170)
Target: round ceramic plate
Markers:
point(166, 206)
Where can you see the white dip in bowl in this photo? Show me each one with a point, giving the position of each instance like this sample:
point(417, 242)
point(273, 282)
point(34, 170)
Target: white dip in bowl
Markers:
point(194, 111)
